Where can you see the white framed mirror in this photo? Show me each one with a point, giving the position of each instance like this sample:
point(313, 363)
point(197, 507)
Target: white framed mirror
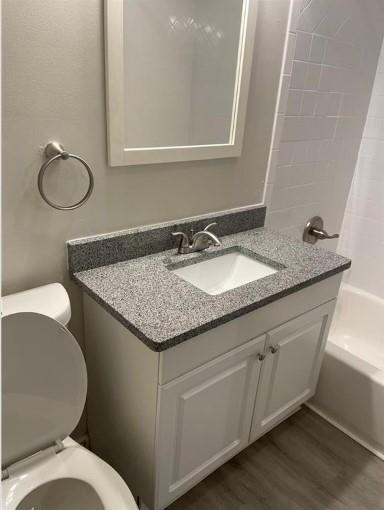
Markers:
point(178, 75)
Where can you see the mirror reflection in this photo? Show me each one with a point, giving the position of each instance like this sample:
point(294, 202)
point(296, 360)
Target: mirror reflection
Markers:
point(180, 71)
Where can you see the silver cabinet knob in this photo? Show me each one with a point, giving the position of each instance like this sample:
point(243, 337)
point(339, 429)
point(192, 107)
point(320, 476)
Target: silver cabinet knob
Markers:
point(274, 348)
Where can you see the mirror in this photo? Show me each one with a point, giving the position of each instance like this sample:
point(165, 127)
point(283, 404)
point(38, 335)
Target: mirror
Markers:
point(177, 78)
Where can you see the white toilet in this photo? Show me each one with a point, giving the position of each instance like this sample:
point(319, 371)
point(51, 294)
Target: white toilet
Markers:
point(44, 386)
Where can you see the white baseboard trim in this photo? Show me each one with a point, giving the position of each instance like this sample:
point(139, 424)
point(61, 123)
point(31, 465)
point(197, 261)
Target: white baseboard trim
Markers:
point(353, 436)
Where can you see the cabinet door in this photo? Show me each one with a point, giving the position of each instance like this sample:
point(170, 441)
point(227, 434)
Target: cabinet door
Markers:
point(205, 418)
point(290, 370)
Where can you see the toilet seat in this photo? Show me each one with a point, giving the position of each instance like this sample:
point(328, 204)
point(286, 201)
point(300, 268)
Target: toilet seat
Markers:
point(44, 384)
point(74, 462)
point(43, 392)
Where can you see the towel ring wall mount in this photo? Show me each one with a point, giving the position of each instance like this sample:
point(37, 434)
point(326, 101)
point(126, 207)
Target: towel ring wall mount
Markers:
point(55, 151)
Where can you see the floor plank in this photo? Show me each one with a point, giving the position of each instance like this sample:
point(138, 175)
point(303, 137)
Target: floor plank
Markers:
point(303, 464)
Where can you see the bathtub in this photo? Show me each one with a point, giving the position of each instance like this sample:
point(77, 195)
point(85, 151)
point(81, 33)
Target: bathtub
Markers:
point(350, 393)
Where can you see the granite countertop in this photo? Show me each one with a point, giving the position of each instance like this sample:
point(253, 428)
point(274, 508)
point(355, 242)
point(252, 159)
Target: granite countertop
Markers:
point(163, 310)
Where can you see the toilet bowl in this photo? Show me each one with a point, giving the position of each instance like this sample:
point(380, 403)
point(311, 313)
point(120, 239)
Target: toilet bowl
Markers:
point(44, 386)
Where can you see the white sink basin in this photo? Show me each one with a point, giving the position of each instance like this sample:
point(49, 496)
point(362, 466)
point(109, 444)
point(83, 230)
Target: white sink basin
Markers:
point(224, 272)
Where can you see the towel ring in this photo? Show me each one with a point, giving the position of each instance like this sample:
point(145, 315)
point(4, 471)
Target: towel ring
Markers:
point(55, 151)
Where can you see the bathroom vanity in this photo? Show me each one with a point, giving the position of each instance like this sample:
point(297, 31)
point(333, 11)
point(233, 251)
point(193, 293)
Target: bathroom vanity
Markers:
point(180, 379)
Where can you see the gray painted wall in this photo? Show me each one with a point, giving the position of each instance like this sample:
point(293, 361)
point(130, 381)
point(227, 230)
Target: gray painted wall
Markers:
point(53, 88)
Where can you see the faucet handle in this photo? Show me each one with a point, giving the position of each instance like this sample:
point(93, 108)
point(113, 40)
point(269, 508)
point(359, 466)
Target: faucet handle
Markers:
point(210, 226)
point(184, 237)
point(184, 241)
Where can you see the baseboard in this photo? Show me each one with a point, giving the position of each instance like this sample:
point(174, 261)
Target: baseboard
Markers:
point(353, 436)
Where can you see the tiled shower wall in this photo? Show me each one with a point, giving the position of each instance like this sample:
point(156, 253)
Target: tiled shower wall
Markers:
point(362, 237)
point(325, 93)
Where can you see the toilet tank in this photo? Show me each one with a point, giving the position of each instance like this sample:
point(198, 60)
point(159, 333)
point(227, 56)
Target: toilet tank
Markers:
point(51, 300)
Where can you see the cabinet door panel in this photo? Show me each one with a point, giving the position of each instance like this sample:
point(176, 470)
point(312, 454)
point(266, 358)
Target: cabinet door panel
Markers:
point(289, 375)
point(205, 418)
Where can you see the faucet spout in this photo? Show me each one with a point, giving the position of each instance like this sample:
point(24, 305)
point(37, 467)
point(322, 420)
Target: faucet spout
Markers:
point(200, 241)
point(204, 239)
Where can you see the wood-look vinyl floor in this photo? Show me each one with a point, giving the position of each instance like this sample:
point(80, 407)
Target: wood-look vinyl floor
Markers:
point(303, 464)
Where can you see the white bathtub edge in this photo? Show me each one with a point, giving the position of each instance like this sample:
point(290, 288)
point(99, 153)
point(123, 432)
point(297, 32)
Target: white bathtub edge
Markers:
point(363, 293)
point(353, 436)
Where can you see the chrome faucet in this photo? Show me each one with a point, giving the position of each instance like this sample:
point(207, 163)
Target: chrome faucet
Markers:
point(199, 241)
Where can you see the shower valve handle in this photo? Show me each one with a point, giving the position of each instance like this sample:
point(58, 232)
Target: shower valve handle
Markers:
point(314, 231)
point(323, 234)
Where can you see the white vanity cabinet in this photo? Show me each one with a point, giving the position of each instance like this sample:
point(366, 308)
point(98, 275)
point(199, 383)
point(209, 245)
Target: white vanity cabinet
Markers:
point(290, 370)
point(165, 420)
point(205, 418)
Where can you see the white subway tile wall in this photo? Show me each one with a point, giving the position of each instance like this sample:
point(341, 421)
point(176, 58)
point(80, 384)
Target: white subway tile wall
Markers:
point(362, 235)
point(335, 46)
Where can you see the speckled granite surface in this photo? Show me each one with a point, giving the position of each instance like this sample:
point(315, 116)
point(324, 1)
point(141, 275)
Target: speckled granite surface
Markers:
point(163, 310)
point(101, 250)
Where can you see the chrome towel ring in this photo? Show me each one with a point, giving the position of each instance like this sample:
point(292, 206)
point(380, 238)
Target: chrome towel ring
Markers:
point(55, 151)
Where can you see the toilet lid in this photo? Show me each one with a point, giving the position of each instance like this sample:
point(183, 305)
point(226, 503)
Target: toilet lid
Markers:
point(44, 384)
